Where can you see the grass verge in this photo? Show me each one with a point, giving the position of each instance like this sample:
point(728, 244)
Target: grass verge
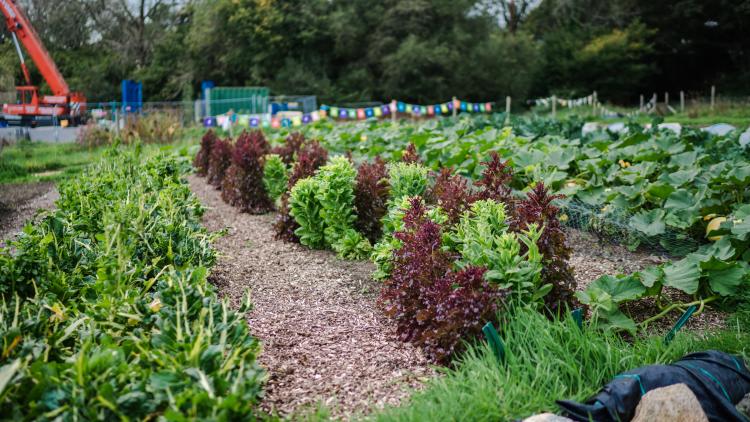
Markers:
point(546, 361)
point(28, 162)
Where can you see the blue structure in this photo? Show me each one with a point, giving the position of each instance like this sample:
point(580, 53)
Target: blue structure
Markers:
point(132, 96)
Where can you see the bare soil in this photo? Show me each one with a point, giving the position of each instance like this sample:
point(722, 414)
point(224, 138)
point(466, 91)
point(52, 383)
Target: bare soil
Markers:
point(592, 259)
point(324, 338)
point(20, 202)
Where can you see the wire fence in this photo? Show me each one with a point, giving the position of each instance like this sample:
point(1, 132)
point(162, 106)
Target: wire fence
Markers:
point(612, 225)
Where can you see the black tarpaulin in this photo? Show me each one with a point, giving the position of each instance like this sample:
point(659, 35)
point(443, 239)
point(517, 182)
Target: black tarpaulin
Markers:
point(717, 379)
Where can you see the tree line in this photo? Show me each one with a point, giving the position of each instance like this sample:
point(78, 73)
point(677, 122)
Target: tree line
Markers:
point(416, 50)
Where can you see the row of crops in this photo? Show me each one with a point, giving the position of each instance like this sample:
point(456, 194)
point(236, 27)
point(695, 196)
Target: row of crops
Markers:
point(685, 194)
point(106, 312)
point(451, 255)
point(443, 243)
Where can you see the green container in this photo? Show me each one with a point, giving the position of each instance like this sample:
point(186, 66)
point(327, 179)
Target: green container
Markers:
point(241, 99)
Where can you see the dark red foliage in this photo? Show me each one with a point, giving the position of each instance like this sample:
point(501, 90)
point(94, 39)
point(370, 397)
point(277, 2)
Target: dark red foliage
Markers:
point(309, 158)
point(243, 184)
point(411, 155)
point(285, 224)
point(204, 154)
point(370, 196)
point(292, 144)
point(435, 307)
point(219, 161)
point(495, 181)
point(464, 302)
point(537, 208)
point(451, 192)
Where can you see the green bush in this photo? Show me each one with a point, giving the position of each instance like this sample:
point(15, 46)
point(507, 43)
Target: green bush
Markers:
point(406, 180)
point(106, 312)
point(336, 196)
point(324, 208)
point(483, 239)
point(275, 176)
point(305, 207)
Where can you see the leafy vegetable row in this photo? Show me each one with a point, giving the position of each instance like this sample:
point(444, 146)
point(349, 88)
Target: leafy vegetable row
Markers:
point(450, 255)
point(106, 312)
point(681, 191)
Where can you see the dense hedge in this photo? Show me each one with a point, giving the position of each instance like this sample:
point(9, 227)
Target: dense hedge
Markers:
point(106, 312)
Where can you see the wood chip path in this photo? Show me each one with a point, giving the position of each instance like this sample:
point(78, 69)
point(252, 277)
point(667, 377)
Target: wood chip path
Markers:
point(324, 338)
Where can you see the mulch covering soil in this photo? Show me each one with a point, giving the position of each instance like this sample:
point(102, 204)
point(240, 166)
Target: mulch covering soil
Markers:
point(20, 202)
point(324, 338)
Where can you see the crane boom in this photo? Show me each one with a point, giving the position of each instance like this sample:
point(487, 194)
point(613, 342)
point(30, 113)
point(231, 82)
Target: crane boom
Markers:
point(62, 103)
point(18, 24)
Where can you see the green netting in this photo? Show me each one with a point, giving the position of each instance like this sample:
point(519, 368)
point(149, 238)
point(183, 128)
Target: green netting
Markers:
point(613, 226)
point(242, 100)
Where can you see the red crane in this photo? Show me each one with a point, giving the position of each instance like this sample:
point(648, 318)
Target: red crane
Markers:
point(30, 107)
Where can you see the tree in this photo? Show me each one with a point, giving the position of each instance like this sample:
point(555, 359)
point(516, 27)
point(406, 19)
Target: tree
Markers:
point(511, 13)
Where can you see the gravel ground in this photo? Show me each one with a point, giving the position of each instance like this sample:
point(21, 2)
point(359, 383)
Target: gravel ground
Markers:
point(324, 339)
point(20, 202)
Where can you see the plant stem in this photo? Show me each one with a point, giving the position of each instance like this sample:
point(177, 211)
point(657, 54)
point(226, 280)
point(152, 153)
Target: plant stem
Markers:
point(680, 305)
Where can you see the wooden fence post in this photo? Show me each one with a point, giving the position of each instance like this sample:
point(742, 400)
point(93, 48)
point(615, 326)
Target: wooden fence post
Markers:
point(641, 106)
point(507, 109)
point(453, 104)
point(393, 111)
point(682, 101)
point(554, 105)
point(596, 102)
point(666, 99)
point(713, 96)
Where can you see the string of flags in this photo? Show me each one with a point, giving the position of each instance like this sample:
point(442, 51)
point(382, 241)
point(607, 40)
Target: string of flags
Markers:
point(565, 102)
point(415, 110)
point(347, 113)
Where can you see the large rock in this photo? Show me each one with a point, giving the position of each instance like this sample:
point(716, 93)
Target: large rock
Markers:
point(547, 417)
point(720, 129)
point(674, 403)
point(745, 138)
point(744, 405)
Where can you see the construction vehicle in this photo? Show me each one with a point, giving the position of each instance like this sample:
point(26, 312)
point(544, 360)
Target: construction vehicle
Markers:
point(31, 108)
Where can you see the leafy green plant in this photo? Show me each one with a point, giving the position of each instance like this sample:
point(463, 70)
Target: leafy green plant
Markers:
point(275, 176)
point(106, 312)
point(305, 208)
point(482, 239)
point(405, 180)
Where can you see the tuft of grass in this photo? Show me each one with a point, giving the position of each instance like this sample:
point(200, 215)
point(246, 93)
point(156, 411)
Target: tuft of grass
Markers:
point(545, 361)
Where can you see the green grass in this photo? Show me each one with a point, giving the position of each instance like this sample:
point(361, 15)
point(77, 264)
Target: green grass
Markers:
point(546, 361)
point(37, 161)
point(28, 162)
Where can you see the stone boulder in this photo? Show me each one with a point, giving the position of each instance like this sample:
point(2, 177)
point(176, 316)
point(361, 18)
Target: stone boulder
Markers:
point(673, 403)
point(547, 417)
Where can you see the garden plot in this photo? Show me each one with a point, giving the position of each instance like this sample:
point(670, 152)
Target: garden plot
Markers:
point(324, 340)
